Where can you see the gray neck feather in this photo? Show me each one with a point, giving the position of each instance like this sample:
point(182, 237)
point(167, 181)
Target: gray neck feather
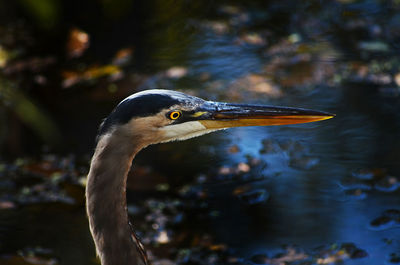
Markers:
point(115, 242)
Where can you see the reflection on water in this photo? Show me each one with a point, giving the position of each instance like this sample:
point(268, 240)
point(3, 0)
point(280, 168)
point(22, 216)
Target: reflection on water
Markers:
point(328, 190)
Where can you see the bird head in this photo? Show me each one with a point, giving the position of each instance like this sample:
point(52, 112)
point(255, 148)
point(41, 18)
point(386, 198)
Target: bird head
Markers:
point(154, 116)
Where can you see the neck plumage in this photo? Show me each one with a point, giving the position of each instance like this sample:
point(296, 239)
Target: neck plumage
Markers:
point(116, 243)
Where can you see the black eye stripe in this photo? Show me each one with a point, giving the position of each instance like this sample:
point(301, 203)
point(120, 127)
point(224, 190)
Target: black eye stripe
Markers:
point(141, 106)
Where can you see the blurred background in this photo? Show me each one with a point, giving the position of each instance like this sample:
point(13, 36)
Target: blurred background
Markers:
point(320, 193)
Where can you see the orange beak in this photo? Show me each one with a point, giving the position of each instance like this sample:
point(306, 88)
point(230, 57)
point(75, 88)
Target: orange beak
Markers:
point(216, 115)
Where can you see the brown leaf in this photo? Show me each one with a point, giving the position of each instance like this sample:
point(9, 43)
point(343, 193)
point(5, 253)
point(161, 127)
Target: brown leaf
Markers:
point(78, 42)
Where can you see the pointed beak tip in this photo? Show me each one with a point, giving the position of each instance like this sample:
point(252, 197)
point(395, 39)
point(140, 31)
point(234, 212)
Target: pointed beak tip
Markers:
point(327, 117)
point(330, 116)
point(322, 117)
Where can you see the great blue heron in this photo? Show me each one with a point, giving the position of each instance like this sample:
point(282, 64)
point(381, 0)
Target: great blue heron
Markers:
point(150, 117)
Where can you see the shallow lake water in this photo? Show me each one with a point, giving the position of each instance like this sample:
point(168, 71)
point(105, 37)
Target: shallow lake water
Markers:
point(247, 193)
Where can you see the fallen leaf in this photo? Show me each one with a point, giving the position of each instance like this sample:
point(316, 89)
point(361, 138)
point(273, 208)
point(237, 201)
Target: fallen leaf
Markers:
point(78, 42)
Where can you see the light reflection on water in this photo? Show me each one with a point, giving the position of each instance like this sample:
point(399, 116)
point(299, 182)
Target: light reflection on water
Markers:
point(307, 205)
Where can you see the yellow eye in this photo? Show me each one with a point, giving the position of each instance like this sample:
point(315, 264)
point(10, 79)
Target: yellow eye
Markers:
point(174, 115)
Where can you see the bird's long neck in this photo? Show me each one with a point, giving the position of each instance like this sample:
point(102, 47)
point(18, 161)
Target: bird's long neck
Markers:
point(116, 243)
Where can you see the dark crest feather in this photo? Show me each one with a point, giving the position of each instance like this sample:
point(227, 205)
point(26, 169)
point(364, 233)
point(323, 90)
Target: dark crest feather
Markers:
point(141, 106)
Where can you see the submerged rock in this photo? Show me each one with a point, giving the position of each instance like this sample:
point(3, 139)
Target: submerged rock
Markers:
point(254, 196)
point(388, 219)
point(259, 259)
